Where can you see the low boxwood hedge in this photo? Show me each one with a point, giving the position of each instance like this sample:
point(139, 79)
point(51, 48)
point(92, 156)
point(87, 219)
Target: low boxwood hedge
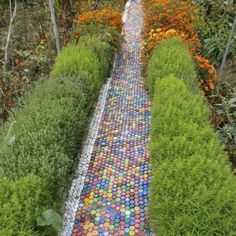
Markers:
point(193, 189)
point(171, 57)
point(39, 143)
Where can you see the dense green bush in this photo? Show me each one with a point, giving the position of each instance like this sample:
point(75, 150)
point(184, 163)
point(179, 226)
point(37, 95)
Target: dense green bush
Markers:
point(103, 50)
point(193, 189)
point(194, 196)
point(107, 34)
point(79, 61)
point(42, 138)
point(21, 202)
point(182, 124)
point(44, 135)
point(171, 57)
point(90, 60)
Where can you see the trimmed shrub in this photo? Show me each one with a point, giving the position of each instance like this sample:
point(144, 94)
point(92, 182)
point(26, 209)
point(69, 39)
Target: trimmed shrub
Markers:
point(82, 62)
point(193, 189)
point(171, 57)
point(41, 140)
point(180, 124)
point(194, 196)
point(103, 51)
point(89, 60)
point(21, 202)
point(44, 135)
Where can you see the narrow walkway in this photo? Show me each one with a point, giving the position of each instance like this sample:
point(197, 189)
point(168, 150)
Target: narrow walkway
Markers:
point(115, 193)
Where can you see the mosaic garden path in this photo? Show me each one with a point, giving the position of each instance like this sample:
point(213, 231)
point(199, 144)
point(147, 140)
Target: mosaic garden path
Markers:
point(115, 192)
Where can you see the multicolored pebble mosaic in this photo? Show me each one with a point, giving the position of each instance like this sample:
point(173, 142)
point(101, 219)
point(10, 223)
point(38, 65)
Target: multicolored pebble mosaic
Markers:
point(115, 193)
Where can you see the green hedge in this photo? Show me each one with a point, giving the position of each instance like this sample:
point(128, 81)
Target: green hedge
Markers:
point(42, 139)
point(193, 189)
point(171, 57)
point(181, 124)
point(90, 60)
point(103, 51)
point(43, 136)
point(22, 201)
point(38, 145)
point(195, 196)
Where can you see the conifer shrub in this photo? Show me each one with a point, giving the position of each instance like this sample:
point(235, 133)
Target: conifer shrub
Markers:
point(103, 51)
point(89, 60)
point(82, 62)
point(194, 196)
point(40, 142)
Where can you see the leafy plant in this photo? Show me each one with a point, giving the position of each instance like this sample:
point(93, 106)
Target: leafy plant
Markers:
point(214, 31)
point(223, 107)
point(50, 218)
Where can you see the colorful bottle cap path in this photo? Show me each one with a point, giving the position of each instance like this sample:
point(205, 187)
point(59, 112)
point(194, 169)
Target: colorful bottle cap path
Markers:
point(114, 198)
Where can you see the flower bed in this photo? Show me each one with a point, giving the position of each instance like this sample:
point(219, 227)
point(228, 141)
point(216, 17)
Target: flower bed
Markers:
point(105, 22)
point(171, 18)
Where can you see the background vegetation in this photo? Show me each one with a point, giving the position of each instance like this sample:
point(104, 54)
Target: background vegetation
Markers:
point(32, 46)
point(214, 27)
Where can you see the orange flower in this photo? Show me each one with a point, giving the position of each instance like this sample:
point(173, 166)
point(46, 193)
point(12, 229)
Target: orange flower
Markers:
point(104, 17)
point(175, 18)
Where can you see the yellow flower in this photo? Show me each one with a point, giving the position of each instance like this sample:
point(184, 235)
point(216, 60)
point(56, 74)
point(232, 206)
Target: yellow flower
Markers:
point(171, 31)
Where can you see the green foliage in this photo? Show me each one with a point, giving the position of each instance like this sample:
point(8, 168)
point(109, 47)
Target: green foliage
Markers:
point(223, 106)
point(103, 51)
point(31, 51)
point(181, 124)
point(21, 202)
point(171, 57)
point(44, 135)
point(194, 196)
point(42, 139)
point(108, 34)
point(193, 189)
point(215, 30)
point(83, 61)
point(50, 217)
